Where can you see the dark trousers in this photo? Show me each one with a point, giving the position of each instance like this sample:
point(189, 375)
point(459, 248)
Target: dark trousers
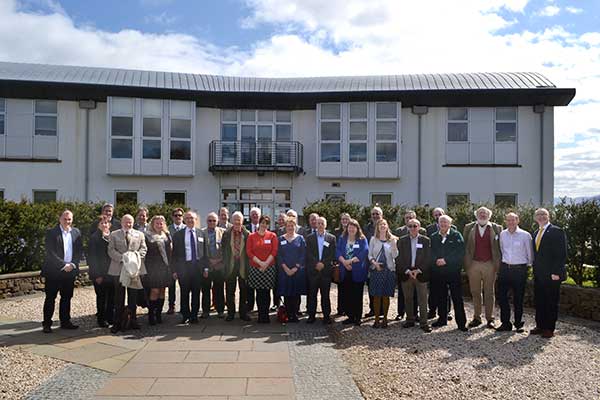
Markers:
point(401, 302)
point(105, 299)
point(340, 299)
point(230, 286)
point(440, 284)
point(316, 285)
point(52, 288)
point(250, 298)
point(547, 295)
point(292, 306)
point(353, 295)
point(191, 284)
point(433, 302)
point(511, 279)
point(218, 290)
point(263, 301)
point(132, 297)
point(172, 293)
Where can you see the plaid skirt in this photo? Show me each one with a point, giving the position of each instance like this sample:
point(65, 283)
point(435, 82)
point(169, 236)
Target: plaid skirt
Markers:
point(262, 280)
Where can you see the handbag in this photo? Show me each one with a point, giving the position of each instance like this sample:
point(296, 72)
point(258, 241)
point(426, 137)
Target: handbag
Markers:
point(282, 315)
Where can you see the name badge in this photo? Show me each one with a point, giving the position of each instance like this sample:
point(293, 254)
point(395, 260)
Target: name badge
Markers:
point(386, 245)
point(283, 242)
point(201, 239)
point(268, 241)
point(419, 245)
point(326, 244)
point(356, 246)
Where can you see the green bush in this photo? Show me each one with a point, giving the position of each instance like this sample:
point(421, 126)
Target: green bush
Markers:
point(23, 226)
point(581, 222)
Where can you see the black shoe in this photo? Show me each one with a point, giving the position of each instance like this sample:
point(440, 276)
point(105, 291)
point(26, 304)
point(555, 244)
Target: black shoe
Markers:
point(357, 322)
point(491, 324)
point(398, 318)
point(151, 316)
point(299, 313)
point(311, 320)
point(47, 329)
point(370, 314)
point(229, 318)
point(348, 321)
point(474, 323)
point(204, 315)
point(376, 325)
point(536, 331)
point(339, 314)
point(431, 315)
point(439, 323)
point(184, 320)
point(504, 328)
point(194, 320)
point(327, 321)
point(245, 318)
point(102, 323)
point(171, 309)
point(273, 308)
point(463, 328)
point(69, 326)
point(426, 328)
point(115, 329)
point(408, 324)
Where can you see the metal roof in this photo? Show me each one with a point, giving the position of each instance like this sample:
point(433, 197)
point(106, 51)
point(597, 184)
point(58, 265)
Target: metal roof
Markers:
point(217, 83)
point(463, 89)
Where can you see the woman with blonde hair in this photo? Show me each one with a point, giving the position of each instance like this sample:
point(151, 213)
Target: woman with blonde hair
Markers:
point(383, 250)
point(158, 258)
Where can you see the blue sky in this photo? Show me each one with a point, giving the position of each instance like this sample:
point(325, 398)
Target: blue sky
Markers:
point(558, 38)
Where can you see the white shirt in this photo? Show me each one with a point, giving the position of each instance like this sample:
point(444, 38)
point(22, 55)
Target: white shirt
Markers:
point(188, 244)
point(67, 245)
point(253, 228)
point(482, 228)
point(517, 247)
point(178, 227)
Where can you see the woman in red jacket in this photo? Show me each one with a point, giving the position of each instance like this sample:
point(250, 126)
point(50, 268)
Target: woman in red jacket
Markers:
point(262, 252)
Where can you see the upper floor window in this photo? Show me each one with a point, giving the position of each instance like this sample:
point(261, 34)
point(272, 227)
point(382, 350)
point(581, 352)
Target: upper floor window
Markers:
point(122, 128)
point(331, 132)
point(181, 131)
point(458, 125)
point(386, 132)
point(2, 115)
point(357, 138)
point(45, 117)
point(506, 124)
point(151, 129)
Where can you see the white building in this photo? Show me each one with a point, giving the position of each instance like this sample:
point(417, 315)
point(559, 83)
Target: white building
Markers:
point(98, 134)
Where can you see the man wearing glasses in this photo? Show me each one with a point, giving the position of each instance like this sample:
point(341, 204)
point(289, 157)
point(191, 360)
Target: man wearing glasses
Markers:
point(176, 226)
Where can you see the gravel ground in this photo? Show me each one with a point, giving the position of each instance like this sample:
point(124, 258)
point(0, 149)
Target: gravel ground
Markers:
point(21, 372)
point(74, 382)
point(400, 363)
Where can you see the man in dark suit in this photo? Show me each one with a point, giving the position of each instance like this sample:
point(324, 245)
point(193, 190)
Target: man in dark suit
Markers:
point(176, 226)
point(191, 266)
point(447, 254)
point(403, 230)
point(312, 225)
point(550, 255)
point(64, 247)
point(107, 211)
point(251, 227)
point(413, 269)
point(320, 256)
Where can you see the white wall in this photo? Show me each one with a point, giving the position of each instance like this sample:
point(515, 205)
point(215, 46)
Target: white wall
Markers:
point(18, 179)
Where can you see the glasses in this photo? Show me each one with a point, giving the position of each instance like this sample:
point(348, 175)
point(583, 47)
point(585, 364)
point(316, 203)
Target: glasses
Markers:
point(374, 214)
point(212, 220)
point(178, 215)
point(412, 226)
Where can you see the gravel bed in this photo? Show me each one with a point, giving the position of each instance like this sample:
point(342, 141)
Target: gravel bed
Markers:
point(72, 382)
point(400, 363)
point(21, 372)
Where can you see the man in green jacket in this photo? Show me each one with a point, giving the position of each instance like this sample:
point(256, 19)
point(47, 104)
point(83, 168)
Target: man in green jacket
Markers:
point(447, 254)
point(235, 264)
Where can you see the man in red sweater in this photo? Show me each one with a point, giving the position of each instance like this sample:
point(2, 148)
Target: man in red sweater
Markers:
point(482, 260)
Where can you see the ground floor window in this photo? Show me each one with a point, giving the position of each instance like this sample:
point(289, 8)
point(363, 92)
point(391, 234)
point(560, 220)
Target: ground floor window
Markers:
point(505, 199)
point(125, 197)
point(335, 196)
point(453, 199)
point(43, 196)
point(270, 201)
point(381, 199)
point(175, 198)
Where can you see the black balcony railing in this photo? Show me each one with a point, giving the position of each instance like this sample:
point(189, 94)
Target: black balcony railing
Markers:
point(255, 156)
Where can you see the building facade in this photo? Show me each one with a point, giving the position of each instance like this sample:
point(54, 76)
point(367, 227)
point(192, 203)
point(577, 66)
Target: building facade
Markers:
point(98, 134)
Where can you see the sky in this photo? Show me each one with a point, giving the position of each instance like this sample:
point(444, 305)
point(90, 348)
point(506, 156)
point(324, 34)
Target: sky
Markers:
point(558, 38)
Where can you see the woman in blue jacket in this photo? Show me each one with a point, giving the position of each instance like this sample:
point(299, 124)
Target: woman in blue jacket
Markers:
point(352, 251)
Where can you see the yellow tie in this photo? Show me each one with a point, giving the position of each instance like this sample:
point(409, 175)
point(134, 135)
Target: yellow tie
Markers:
point(538, 239)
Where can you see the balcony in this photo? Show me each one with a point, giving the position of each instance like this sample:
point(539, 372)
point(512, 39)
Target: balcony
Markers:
point(255, 156)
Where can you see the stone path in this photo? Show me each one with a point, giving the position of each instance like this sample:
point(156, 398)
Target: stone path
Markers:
point(211, 360)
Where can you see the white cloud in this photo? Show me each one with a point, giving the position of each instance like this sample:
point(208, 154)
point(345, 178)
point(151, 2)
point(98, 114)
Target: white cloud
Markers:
point(549, 11)
point(368, 37)
point(573, 10)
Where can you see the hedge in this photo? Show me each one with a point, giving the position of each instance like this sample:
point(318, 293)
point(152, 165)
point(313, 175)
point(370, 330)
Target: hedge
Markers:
point(581, 222)
point(23, 227)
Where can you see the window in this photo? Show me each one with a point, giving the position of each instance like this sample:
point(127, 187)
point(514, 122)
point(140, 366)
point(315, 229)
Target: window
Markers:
point(151, 129)
point(44, 196)
point(2, 115)
point(331, 132)
point(505, 199)
point(506, 124)
point(458, 124)
point(181, 131)
point(335, 197)
point(270, 201)
point(381, 198)
point(453, 199)
point(386, 132)
point(125, 197)
point(357, 150)
point(175, 198)
point(45, 117)
point(122, 128)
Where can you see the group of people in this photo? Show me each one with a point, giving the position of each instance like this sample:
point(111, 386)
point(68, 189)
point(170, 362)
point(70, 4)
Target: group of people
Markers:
point(140, 259)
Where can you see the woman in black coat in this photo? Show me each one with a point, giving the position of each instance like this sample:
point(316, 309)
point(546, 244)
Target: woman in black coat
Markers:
point(98, 262)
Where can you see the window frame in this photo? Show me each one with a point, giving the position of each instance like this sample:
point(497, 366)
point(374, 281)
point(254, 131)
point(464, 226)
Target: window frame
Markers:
point(497, 121)
point(34, 191)
point(364, 141)
point(387, 141)
point(46, 115)
point(467, 194)
point(515, 195)
point(117, 191)
point(180, 139)
point(331, 142)
point(381, 194)
point(183, 192)
point(112, 114)
point(458, 121)
point(331, 196)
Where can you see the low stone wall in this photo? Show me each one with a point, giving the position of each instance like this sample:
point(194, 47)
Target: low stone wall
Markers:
point(575, 301)
point(23, 283)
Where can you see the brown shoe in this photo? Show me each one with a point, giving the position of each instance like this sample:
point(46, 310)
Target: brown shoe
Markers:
point(547, 334)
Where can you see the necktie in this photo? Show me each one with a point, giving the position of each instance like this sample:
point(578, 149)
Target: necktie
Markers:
point(193, 246)
point(127, 238)
point(538, 239)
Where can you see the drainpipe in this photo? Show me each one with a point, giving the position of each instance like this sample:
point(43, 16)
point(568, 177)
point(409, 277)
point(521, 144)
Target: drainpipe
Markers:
point(419, 111)
point(539, 109)
point(87, 105)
